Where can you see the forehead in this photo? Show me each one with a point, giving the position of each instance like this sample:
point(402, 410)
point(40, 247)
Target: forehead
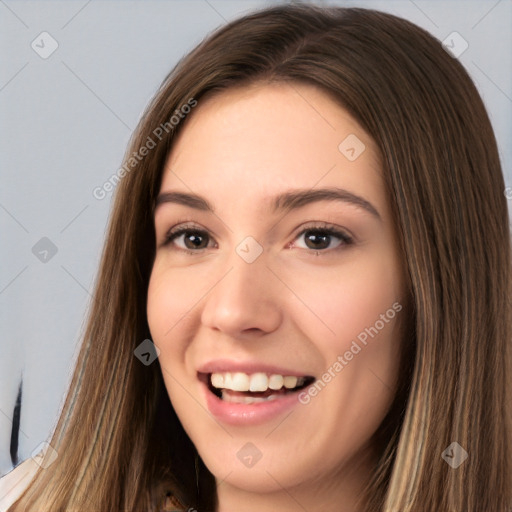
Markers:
point(252, 143)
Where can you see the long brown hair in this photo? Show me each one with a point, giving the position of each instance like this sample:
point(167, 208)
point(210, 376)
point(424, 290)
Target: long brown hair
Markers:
point(119, 442)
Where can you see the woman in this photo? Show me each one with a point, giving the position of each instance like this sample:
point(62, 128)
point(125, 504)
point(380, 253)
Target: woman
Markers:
point(310, 226)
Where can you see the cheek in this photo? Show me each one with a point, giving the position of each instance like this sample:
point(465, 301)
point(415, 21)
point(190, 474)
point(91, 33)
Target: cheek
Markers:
point(166, 309)
point(172, 295)
point(166, 314)
point(157, 307)
point(342, 303)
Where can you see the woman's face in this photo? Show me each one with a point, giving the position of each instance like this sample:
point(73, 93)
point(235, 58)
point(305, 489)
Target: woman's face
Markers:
point(287, 268)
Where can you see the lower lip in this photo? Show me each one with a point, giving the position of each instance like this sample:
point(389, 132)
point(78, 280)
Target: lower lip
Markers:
point(248, 414)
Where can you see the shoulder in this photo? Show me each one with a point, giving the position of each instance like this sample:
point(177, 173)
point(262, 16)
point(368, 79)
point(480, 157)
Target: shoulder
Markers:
point(14, 483)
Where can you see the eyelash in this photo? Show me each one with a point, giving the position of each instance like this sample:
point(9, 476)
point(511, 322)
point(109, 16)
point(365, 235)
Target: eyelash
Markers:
point(321, 228)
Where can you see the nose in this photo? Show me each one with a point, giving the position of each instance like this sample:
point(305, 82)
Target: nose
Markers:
point(244, 299)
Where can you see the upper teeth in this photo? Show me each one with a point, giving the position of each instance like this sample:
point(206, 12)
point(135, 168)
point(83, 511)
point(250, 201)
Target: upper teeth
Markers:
point(255, 382)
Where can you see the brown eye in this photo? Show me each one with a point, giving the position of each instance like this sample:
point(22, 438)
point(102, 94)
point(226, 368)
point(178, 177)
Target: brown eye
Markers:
point(321, 239)
point(193, 239)
point(317, 240)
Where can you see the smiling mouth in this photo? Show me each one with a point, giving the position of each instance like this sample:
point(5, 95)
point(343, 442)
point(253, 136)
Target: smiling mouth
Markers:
point(242, 388)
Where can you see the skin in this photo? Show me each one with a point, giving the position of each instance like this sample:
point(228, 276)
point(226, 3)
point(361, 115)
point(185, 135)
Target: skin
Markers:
point(294, 306)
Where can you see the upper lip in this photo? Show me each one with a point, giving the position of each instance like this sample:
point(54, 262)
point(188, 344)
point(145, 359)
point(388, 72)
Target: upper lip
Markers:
point(249, 367)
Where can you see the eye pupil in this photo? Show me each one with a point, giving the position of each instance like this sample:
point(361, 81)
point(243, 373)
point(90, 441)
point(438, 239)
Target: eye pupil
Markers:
point(194, 239)
point(318, 240)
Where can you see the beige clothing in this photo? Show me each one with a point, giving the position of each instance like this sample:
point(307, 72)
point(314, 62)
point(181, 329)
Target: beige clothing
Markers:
point(14, 483)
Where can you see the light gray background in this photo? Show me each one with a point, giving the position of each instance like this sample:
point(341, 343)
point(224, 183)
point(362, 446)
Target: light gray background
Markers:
point(65, 122)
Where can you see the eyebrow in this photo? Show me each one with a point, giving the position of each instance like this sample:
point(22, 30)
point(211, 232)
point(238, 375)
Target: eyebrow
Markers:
point(284, 202)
